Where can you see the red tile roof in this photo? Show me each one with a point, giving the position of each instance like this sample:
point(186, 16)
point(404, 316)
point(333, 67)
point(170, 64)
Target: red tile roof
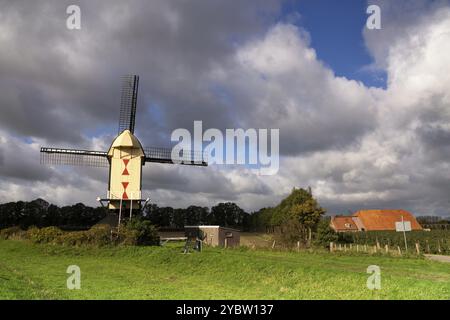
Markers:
point(343, 223)
point(376, 220)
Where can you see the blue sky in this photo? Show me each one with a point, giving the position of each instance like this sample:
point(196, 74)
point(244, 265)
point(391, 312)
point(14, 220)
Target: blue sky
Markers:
point(336, 29)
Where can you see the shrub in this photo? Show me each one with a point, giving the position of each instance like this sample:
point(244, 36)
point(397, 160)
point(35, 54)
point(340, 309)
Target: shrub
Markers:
point(137, 232)
point(126, 236)
point(11, 233)
point(99, 235)
point(73, 238)
point(44, 235)
point(146, 234)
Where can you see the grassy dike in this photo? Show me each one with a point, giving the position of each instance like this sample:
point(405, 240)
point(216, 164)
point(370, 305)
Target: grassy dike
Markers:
point(29, 271)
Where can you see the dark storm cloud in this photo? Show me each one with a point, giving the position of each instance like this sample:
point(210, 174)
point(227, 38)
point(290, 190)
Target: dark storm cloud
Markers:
point(59, 86)
point(54, 79)
point(20, 162)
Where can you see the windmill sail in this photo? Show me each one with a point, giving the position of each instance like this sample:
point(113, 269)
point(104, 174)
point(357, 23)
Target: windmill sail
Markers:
point(128, 103)
point(74, 157)
point(164, 155)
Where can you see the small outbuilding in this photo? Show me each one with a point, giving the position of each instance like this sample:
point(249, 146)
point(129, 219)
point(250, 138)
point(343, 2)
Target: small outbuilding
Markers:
point(215, 235)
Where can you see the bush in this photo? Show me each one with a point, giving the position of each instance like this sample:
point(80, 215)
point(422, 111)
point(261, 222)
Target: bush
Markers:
point(145, 233)
point(11, 233)
point(73, 238)
point(99, 235)
point(44, 235)
point(126, 236)
point(136, 232)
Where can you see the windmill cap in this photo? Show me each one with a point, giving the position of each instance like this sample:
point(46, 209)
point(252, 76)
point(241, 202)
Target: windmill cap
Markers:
point(125, 140)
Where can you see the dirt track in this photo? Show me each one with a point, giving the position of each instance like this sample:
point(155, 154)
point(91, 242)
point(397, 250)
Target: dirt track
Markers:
point(439, 258)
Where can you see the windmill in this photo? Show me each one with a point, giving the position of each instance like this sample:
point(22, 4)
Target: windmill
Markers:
point(125, 157)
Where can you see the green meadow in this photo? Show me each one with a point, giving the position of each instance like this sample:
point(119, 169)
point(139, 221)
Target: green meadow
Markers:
point(30, 271)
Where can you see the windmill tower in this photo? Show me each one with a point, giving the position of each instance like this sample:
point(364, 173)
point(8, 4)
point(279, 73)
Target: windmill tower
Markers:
point(125, 158)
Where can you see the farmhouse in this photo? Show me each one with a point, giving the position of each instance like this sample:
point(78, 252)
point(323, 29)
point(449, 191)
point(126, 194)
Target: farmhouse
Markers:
point(373, 220)
point(216, 235)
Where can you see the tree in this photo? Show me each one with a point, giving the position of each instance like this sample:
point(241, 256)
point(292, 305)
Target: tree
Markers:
point(227, 214)
point(299, 206)
point(308, 214)
point(179, 218)
point(282, 212)
point(325, 234)
point(161, 217)
point(196, 215)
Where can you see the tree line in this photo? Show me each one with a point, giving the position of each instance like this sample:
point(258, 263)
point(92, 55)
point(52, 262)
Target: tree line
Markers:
point(40, 213)
point(296, 216)
point(226, 214)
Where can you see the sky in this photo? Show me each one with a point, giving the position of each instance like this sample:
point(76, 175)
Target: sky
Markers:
point(363, 114)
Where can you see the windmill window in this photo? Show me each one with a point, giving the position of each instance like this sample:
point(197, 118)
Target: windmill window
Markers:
point(347, 225)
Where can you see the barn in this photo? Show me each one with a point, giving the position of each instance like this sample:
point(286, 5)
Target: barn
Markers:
point(373, 220)
point(216, 235)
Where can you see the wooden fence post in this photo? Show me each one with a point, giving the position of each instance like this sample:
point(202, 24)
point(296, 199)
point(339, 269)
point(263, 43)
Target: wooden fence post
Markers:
point(357, 248)
point(439, 246)
point(399, 251)
point(273, 244)
point(387, 248)
point(298, 246)
point(417, 248)
point(331, 246)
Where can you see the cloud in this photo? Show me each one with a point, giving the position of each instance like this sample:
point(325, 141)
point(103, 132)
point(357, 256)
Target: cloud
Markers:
point(278, 82)
point(230, 66)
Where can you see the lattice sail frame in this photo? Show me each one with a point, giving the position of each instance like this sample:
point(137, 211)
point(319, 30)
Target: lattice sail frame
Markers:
point(186, 157)
point(74, 157)
point(128, 102)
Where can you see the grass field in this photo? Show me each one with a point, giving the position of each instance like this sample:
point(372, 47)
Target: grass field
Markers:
point(30, 271)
